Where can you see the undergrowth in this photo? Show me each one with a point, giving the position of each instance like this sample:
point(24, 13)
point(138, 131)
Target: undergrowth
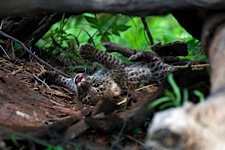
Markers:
point(175, 98)
point(65, 37)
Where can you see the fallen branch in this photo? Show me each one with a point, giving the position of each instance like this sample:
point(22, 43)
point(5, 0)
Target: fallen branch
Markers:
point(172, 49)
point(128, 7)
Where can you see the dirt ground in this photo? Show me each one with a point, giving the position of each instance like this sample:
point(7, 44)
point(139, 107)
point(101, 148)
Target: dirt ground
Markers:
point(25, 104)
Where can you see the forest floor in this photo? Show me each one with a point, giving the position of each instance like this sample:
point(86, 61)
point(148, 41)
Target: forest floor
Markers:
point(29, 107)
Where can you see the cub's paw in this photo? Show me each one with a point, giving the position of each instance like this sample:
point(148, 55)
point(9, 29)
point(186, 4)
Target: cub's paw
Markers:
point(143, 56)
point(88, 51)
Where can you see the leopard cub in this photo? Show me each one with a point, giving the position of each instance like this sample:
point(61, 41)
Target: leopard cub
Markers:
point(117, 78)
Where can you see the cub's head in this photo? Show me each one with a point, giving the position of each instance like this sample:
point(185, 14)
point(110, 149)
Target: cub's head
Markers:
point(98, 86)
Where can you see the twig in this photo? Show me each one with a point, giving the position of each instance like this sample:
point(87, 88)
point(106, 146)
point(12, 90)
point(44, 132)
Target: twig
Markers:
point(192, 66)
point(32, 54)
point(56, 103)
point(2, 23)
point(13, 51)
point(43, 82)
point(133, 139)
point(147, 31)
point(123, 101)
point(4, 52)
point(144, 87)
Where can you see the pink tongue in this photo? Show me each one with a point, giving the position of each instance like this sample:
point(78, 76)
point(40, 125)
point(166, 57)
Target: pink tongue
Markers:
point(78, 78)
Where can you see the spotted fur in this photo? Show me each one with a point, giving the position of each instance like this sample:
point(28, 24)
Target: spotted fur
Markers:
point(52, 77)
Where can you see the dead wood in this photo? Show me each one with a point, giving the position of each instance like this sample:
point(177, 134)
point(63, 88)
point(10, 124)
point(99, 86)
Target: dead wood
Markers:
point(29, 28)
point(172, 49)
point(63, 125)
point(22, 26)
point(128, 7)
point(131, 118)
point(192, 21)
point(105, 106)
point(42, 29)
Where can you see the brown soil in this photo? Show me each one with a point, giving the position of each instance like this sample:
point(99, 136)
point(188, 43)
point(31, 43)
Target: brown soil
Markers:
point(26, 104)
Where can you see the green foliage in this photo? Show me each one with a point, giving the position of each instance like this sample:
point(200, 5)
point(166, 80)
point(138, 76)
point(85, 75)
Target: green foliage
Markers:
point(195, 51)
point(200, 95)
point(59, 42)
point(174, 98)
point(50, 147)
point(171, 98)
point(66, 36)
point(12, 137)
point(138, 131)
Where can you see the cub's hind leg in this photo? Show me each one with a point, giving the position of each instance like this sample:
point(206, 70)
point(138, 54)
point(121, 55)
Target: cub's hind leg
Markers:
point(159, 69)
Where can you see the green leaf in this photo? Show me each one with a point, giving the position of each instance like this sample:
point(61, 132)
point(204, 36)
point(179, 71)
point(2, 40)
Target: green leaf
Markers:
point(13, 139)
point(92, 20)
point(200, 95)
point(81, 67)
point(175, 88)
point(158, 102)
point(185, 96)
point(94, 26)
point(51, 147)
point(169, 94)
point(77, 41)
point(138, 131)
point(90, 40)
point(166, 105)
point(105, 38)
point(115, 32)
point(122, 27)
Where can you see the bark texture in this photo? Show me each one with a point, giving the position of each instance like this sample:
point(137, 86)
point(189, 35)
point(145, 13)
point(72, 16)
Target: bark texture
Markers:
point(128, 7)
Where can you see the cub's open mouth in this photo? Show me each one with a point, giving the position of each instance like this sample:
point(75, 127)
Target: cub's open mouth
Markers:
point(79, 78)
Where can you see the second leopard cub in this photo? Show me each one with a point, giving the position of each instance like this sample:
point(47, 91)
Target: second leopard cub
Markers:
point(117, 79)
